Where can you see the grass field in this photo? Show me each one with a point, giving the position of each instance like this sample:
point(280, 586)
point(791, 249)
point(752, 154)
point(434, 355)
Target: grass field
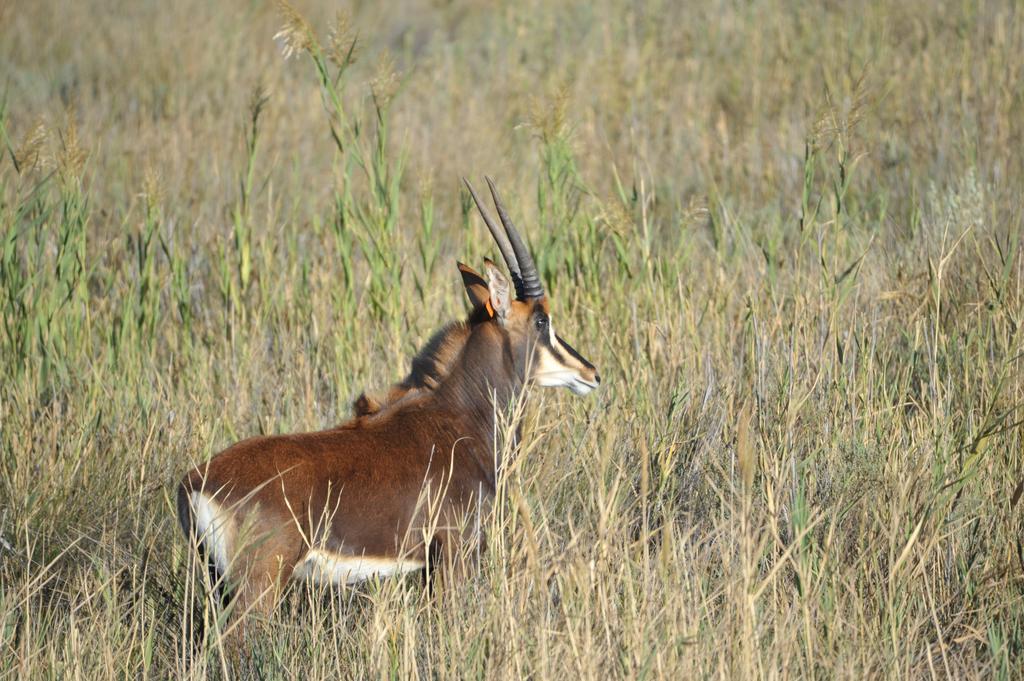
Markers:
point(788, 234)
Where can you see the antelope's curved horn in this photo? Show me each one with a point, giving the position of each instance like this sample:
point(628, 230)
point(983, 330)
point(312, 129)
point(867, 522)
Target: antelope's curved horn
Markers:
point(501, 239)
point(532, 288)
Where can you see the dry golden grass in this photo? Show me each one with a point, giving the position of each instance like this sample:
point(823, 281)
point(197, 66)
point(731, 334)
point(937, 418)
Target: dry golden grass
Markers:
point(788, 234)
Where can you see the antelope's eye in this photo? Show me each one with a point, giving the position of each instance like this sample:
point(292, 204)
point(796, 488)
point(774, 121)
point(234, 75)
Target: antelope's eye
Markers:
point(542, 323)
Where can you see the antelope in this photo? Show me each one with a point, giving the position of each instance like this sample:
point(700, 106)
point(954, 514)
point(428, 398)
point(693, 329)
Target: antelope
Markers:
point(395, 489)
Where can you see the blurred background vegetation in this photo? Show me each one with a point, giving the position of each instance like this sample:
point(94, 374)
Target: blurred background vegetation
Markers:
point(787, 233)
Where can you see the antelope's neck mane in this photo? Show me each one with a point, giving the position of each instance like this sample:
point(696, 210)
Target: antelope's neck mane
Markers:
point(433, 362)
point(462, 369)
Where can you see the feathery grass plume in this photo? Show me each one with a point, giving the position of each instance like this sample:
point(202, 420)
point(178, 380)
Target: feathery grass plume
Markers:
point(834, 124)
point(296, 35)
point(548, 115)
point(30, 153)
point(384, 84)
point(342, 41)
point(71, 158)
point(615, 217)
point(152, 190)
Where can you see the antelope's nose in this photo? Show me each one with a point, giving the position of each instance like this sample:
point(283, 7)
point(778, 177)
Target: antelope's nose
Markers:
point(597, 378)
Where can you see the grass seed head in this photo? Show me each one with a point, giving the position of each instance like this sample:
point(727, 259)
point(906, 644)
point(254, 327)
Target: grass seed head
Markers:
point(152, 191)
point(71, 158)
point(296, 35)
point(549, 115)
point(31, 153)
point(385, 81)
point(342, 41)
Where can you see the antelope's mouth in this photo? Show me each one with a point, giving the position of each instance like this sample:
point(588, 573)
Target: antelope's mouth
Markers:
point(582, 387)
point(569, 379)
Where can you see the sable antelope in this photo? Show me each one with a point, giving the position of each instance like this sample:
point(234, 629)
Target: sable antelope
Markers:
point(345, 504)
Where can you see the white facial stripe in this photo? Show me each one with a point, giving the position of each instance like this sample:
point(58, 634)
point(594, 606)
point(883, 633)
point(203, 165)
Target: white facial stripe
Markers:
point(325, 567)
point(548, 364)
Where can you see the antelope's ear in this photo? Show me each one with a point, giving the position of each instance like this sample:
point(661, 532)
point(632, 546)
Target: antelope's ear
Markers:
point(476, 287)
point(499, 290)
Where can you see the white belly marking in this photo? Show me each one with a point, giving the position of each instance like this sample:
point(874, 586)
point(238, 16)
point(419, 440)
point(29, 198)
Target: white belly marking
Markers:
point(325, 567)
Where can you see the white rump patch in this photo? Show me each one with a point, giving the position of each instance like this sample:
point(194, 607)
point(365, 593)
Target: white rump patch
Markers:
point(212, 529)
point(324, 567)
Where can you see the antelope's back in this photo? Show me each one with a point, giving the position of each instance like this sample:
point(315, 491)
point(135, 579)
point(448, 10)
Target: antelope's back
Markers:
point(373, 467)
